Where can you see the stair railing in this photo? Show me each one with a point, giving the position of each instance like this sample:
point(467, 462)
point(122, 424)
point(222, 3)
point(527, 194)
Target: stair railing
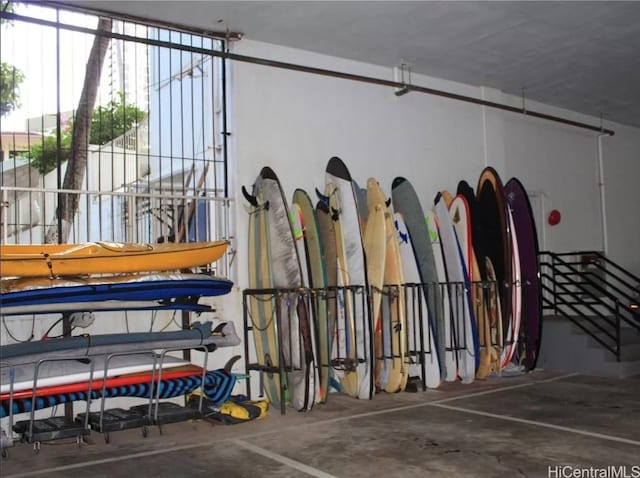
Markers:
point(597, 295)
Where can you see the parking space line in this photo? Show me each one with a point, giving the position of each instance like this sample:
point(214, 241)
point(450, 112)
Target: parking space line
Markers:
point(309, 470)
point(576, 431)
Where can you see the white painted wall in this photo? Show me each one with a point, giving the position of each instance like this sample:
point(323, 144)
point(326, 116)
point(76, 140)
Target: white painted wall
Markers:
point(621, 157)
point(294, 122)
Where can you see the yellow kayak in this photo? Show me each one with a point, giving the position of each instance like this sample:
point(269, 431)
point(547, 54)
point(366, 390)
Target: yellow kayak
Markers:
point(40, 260)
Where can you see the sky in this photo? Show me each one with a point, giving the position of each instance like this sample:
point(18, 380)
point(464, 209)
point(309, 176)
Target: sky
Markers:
point(32, 49)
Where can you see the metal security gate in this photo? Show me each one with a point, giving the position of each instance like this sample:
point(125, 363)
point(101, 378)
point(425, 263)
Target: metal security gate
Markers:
point(155, 163)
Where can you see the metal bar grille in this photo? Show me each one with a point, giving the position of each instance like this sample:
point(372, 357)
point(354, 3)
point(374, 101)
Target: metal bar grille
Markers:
point(156, 164)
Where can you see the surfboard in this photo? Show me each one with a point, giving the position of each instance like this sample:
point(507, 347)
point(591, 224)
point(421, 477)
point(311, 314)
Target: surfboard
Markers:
point(494, 311)
point(525, 228)
point(497, 241)
point(329, 299)
point(262, 310)
point(115, 381)
point(343, 353)
point(421, 336)
point(298, 229)
point(375, 243)
point(406, 202)
point(463, 333)
point(515, 289)
point(50, 260)
point(461, 221)
point(223, 335)
point(317, 279)
point(444, 319)
point(108, 306)
point(60, 372)
point(396, 361)
point(216, 385)
point(286, 273)
point(479, 287)
point(361, 201)
point(352, 272)
point(42, 295)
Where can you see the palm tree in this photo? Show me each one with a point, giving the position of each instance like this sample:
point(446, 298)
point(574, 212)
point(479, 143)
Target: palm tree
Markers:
point(77, 167)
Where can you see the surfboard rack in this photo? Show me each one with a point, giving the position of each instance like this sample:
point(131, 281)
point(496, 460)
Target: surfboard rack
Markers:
point(50, 429)
point(152, 413)
point(54, 428)
point(116, 419)
point(6, 442)
point(6, 438)
point(286, 303)
point(419, 336)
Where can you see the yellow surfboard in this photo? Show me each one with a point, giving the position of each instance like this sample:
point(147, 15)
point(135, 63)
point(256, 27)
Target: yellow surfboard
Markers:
point(396, 363)
point(375, 243)
point(345, 340)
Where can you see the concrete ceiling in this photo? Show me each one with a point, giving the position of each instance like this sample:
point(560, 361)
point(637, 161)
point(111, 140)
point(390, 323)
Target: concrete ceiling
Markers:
point(584, 56)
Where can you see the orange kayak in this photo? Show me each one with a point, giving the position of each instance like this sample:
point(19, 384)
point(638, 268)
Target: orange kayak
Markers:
point(44, 260)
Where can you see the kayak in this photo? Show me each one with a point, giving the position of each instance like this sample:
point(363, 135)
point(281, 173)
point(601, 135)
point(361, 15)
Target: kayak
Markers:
point(50, 260)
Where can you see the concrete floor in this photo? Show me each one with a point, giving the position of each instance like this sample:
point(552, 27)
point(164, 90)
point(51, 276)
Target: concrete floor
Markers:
point(497, 427)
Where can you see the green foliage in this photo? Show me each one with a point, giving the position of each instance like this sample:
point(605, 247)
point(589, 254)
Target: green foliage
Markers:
point(113, 120)
point(10, 80)
point(107, 123)
point(10, 77)
point(43, 154)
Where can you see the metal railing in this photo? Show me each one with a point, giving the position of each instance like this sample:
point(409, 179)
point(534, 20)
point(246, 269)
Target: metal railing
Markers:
point(129, 215)
point(593, 292)
point(272, 317)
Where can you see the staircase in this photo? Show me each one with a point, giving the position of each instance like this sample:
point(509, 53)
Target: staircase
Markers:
point(591, 315)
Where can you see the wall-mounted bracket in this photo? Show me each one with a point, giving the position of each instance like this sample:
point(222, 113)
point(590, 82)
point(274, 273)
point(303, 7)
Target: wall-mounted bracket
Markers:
point(402, 75)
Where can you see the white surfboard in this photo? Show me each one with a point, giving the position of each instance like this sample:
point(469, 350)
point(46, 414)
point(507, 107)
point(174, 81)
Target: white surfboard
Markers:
point(513, 331)
point(353, 274)
point(421, 340)
point(463, 334)
point(444, 332)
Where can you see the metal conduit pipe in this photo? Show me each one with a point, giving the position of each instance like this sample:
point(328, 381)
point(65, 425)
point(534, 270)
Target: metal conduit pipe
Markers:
point(318, 71)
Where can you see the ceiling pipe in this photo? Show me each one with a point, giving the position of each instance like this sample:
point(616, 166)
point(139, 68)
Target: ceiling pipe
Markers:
point(603, 205)
point(321, 72)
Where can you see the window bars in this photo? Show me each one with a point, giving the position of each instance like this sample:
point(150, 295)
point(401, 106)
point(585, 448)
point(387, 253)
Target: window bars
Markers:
point(156, 165)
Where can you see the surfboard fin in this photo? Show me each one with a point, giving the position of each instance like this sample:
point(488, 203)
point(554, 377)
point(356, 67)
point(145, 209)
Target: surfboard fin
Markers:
point(219, 329)
point(251, 199)
point(322, 197)
point(230, 363)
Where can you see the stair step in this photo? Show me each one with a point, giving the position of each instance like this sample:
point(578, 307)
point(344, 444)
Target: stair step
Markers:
point(630, 352)
point(565, 347)
point(627, 337)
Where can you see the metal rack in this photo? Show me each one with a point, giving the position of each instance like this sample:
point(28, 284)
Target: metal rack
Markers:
point(453, 297)
point(6, 437)
point(154, 412)
point(54, 428)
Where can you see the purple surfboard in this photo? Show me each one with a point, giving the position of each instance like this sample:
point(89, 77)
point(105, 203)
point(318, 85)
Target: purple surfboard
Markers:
point(525, 227)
